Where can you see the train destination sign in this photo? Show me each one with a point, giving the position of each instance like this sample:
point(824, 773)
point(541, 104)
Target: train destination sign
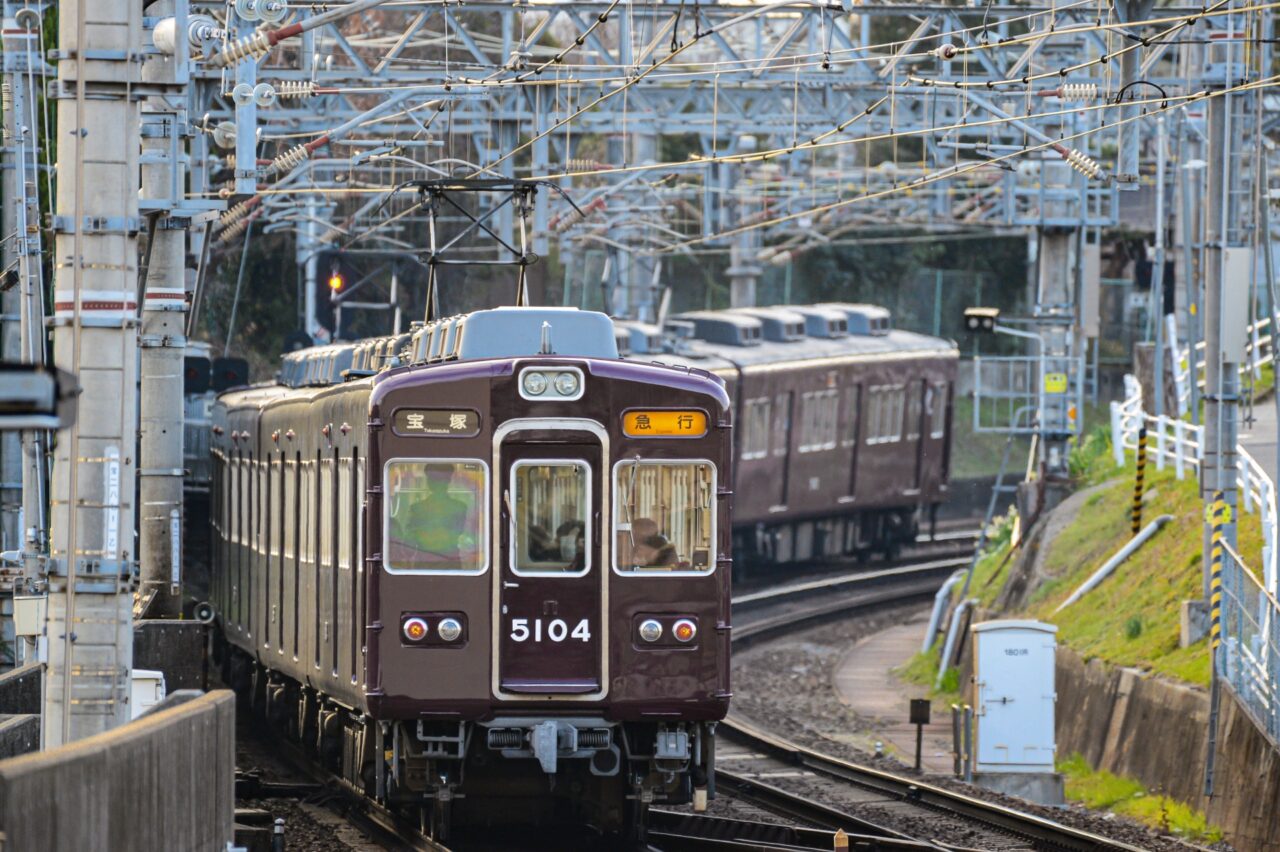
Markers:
point(664, 424)
point(436, 422)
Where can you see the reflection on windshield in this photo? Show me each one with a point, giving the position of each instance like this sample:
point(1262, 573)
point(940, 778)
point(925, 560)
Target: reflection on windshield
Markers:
point(663, 516)
point(551, 507)
point(435, 513)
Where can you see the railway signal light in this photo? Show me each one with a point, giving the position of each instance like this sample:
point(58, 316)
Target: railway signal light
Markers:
point(336, 282)
point(981, 320)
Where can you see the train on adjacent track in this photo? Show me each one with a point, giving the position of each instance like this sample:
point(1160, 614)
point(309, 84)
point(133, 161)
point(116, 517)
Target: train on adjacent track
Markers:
point(489, 580)
point(843, 443)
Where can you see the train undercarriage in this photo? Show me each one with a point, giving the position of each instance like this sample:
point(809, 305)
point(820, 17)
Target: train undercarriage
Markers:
point(861, 535)
point(517, 770)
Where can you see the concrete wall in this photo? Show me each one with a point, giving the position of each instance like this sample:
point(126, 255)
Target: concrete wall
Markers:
point(165, 782)
point(1157, 732)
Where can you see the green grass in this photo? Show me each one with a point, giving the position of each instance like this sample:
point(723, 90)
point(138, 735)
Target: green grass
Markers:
point(922, 669)
point(1101, 790)
point(1132, 618)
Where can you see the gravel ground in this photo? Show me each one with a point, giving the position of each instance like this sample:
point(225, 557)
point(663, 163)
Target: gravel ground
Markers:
point(785, 686)
point(308, 826)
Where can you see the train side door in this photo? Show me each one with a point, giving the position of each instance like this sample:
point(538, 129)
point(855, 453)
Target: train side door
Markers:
point(550, 623)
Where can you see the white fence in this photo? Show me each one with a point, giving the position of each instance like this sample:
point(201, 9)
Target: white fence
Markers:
point(1172, 441)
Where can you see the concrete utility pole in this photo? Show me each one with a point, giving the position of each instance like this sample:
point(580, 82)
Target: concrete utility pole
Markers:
point(95, 337)
point(25, 515)
point(1227, 272)
point(163, 341)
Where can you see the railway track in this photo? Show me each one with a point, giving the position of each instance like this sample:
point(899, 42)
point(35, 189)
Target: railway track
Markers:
point(316, 785)
point(817, 789)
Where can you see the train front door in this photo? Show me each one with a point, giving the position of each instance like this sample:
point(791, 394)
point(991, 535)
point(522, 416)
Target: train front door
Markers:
point(550, 573)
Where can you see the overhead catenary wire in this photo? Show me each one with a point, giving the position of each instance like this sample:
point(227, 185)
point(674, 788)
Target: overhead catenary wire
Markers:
point(952, 171)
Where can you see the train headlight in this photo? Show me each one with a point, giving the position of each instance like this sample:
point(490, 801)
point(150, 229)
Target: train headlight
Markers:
point(684, 630)
point(535, 384)
point(567, 384)
point(650, 630)
point(449, 629)
point(415, 629)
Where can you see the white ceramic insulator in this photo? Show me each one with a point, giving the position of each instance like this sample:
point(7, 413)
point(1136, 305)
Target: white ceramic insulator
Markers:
point(288, 89)
point(249, 47)
point(1079, 92)
point(1084, 164)
point(290, 158)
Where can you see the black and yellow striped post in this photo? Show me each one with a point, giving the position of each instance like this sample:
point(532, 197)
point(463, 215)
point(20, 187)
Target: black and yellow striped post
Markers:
point(1136, 515)
point(1218, 520)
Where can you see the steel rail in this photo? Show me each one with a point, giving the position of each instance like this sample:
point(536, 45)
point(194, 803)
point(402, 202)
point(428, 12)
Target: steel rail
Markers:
point(889, 586)
point(672, 830)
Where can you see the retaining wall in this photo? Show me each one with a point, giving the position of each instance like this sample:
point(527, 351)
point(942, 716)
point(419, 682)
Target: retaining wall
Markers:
point(165, 782)
point(1157, 732)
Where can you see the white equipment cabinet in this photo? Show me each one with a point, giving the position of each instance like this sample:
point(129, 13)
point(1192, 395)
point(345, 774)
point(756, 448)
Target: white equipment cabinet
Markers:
point(1014, 695)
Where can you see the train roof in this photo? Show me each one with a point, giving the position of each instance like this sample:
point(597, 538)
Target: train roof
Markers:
point(789, 333)
point(508, 332)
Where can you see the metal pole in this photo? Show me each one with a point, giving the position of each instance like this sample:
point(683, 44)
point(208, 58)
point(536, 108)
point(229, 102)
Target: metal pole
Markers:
point(1157, 269)
point(1218, 472)
point(163, 342)
point(1268, 254)
point(23, 469)
point(95, 337)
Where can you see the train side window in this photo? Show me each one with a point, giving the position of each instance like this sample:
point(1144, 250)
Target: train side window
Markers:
point(852, 399)
point(436, 516)
point(820, 419)
point(782, 425)
point(552, 513)
point(936, 407)
point(875, 401)
point(757, 419)
point(915, 392)
point(325, 513)
point(664, 516)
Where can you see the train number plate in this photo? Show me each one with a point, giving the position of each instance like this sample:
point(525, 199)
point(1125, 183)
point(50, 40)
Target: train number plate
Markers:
point(549, 629)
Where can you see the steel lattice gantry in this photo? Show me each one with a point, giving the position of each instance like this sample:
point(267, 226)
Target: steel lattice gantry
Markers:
point(967, 103)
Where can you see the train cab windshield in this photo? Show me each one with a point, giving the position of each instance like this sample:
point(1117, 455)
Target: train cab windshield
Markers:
point(552, 503)
point(436, 516)
point(664, 516)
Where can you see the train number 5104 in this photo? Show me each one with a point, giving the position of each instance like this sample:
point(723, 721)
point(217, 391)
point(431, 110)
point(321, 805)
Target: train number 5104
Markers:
point(557, 630)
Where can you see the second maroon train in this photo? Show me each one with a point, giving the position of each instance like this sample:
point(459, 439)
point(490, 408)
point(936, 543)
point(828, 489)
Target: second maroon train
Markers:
point(843, 443)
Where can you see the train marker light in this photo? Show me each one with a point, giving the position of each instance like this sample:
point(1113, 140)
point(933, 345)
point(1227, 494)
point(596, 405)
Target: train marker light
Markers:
point(981, 319)
point(415, 629)
point(535, 384)
point(685, 630)
point(566, 384)
point(449, 629)
point(650, 630)
point(664, 424)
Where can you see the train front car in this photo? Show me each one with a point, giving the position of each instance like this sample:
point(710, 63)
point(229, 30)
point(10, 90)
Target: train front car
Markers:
point(548, 633)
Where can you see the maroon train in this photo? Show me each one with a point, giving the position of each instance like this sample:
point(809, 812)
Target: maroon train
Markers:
point(468, 562)
point(844, 423)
